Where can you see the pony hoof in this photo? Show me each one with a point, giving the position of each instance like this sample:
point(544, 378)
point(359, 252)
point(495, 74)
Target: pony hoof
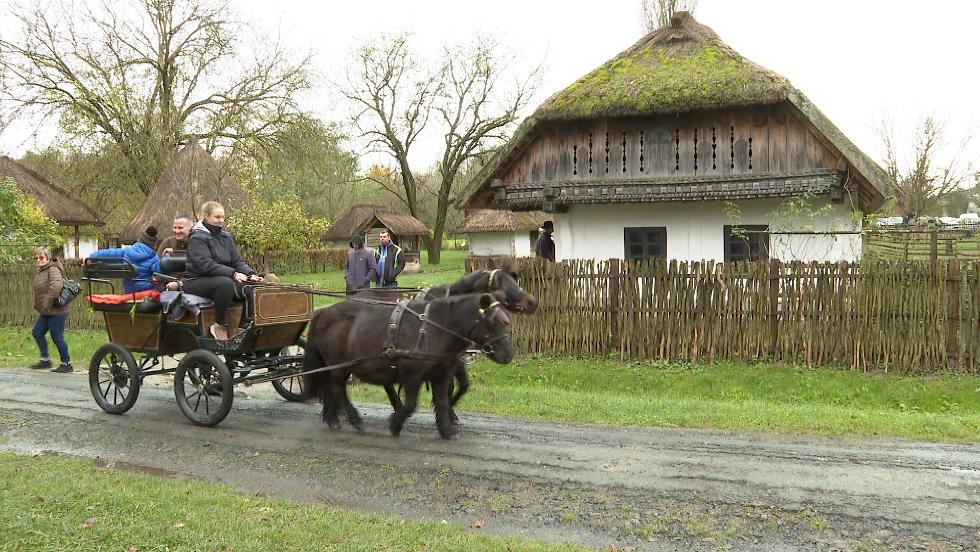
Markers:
point(333, 425)
point(451, 436)
point(360, 428)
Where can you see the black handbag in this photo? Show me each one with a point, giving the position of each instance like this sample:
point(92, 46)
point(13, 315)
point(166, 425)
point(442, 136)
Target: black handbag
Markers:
point(69, 291)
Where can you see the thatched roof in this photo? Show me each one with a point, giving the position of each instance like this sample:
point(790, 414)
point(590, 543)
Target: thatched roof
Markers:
point(363, 217)
point(57, 202)
point(679, 68)
point(192, 178)
point(499, 220)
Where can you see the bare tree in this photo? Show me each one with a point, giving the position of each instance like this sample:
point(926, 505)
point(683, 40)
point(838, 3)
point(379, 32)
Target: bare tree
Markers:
point(465, 96)
point(146, 76)
point(918, 184)
point(657, 13)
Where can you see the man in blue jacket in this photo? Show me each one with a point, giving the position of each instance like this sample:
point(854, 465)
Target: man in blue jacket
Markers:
point(389, 260)
point(142, 255)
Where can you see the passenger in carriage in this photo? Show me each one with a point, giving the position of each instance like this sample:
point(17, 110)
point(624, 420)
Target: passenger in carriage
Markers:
point(141, 255)
point(178, 241)
point(215, 268)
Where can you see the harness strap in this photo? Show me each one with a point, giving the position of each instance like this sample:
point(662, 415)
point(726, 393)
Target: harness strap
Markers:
point(394, 324)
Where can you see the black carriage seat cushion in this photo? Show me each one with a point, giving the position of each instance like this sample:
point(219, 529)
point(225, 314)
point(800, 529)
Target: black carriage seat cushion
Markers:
point(173, 265)
point(143, 307)
point(109, 268)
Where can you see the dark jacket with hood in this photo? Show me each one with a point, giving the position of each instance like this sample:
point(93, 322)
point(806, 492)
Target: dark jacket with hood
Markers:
point(47, 285)
point(212, 253)
point(393, 265)
point(359, 267)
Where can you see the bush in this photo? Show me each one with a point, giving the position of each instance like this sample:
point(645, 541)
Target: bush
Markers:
point(278, 225)
point(23, 224)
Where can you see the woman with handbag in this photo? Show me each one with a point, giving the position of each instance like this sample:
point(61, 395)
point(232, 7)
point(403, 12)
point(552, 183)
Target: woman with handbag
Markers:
point(48, 282)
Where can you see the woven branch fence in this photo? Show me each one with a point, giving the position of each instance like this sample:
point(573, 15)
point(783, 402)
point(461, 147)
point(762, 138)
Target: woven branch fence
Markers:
point(888, 316)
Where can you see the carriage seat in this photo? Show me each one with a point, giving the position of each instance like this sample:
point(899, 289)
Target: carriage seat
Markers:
point(145, 302)
point(173, 265)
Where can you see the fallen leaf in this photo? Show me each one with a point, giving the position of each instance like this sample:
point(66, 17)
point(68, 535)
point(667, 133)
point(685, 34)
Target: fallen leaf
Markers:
point(39, 498)
point(178, 525)
point(476, 525)
point(89, 522)
point(90, 507)
point(132, 549)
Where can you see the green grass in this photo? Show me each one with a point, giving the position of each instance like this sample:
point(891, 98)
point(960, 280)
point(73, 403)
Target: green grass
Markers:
point(731, 396)
point(66, 504)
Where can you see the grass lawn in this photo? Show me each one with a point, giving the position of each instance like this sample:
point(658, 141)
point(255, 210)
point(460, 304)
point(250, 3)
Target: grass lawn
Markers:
point(66, 504)
point(731, 396)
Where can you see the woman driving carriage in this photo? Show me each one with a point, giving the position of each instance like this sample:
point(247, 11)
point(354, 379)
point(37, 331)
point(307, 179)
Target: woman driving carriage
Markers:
point(215, 268)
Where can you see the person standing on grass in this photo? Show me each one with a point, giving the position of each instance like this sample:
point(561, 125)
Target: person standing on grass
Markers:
point(390, 261)
point(359, 266)
point(545, 248)
point(48, 282)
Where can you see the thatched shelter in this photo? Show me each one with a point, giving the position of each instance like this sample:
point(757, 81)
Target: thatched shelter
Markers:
point(657, 140)
point(58, 203)
point(498, 233)
point(368, 221)
point(193, 178)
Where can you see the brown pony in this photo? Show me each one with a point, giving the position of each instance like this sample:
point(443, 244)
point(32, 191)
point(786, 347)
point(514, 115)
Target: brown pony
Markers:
point(431, 336)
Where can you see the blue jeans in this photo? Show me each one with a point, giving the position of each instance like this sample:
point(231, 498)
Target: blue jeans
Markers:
point(56, 325)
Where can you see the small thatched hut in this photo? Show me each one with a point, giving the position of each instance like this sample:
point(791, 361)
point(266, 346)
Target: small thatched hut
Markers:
point(500, 233)
point(59, 204)
point(368, 221)
point(192, 178)
point(668, 147)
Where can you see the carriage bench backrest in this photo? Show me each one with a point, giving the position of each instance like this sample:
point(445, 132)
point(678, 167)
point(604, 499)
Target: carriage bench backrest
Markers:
point(278, 305)
point(108, 268)
point(173, 265)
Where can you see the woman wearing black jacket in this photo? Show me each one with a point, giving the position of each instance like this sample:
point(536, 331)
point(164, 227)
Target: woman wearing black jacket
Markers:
point(215, 268)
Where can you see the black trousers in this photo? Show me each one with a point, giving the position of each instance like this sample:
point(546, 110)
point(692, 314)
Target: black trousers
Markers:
point(222, 290)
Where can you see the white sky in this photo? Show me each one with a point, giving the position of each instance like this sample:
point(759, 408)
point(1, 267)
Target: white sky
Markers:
point(857, 60)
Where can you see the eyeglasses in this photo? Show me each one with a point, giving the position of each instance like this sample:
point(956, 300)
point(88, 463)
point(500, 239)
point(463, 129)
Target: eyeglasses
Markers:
point(39, 257)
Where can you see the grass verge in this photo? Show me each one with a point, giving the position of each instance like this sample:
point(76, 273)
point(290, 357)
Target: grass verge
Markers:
point(730, 396)
point(69, 504)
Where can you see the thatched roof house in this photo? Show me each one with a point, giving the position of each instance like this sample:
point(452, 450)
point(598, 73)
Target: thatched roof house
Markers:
point(498, 220)
point(57, 202)
point(192, 178)
point(368, 221)
point(656, 140)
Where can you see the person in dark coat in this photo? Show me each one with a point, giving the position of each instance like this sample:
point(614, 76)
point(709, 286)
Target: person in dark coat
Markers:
point(48, 282)
point(141, 254)
point(359, 267)
point(215, 268)
point(545, 248)
point(390, 261)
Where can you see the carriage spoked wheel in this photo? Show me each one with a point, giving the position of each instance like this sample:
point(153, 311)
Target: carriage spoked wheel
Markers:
point(114, 378)
point(291, 388)
point(203, 386)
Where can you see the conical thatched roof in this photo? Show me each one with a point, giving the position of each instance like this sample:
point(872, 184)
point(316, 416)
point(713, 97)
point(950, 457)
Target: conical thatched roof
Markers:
point(57, 202)
point(360, 217)
point(679, 68)
point(192, 178)
point(500, 220)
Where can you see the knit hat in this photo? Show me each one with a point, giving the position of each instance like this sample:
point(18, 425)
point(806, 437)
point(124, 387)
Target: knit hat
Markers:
point(149, 237)
point(356, 240)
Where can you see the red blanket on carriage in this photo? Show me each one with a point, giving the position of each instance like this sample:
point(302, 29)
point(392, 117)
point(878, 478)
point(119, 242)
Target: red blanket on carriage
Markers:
point(120, 298)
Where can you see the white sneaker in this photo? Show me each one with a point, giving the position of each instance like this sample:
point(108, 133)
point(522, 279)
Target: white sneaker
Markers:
point(219, 332)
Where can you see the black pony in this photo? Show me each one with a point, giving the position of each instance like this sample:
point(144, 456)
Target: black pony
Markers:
point(488, 280)
point(431, 336)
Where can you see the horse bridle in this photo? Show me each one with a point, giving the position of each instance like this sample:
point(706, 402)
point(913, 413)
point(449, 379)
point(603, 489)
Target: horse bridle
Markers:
point(488, 312)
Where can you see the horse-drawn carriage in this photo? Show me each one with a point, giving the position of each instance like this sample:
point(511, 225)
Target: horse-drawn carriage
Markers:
point(269, 349)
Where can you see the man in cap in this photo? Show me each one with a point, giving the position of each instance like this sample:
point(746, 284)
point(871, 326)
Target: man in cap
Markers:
point(360, 268)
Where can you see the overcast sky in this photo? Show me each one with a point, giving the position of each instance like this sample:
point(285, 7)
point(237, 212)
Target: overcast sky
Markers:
point(857, 60)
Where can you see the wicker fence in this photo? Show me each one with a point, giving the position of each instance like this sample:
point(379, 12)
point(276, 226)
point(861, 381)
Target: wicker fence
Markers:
point(296, 261)
point(17, 297)
point(905, 317)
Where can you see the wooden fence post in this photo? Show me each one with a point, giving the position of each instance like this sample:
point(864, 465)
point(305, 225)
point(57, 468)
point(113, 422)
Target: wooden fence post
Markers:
point(953, 314)
point(773, 306)
point(614, 296)
point(934, 249)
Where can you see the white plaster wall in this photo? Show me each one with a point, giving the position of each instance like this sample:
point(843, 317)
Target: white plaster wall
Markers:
point(522, 244)
point(695, 230)
point(86, 244)
point(492, 243)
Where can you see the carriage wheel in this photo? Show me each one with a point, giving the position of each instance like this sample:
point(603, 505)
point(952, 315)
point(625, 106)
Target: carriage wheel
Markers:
point(114, 378)
point(291, 389)
point(203, 386)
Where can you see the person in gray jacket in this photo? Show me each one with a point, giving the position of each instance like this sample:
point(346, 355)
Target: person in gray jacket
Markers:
point(360, 268)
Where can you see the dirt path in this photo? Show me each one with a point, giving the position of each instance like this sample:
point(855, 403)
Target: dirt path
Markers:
point(643, 489)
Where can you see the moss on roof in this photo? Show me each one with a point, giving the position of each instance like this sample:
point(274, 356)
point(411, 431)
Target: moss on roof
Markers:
point(679, 68)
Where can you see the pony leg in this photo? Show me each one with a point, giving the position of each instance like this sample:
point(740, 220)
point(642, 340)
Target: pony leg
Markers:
point(397, 420)
point(331, 402)
point(440, 396)
point(393, 398)
point(353, 416)
point(463, 378)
